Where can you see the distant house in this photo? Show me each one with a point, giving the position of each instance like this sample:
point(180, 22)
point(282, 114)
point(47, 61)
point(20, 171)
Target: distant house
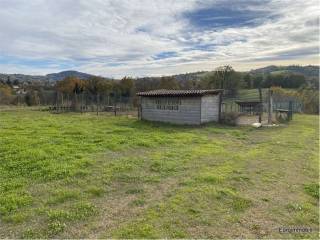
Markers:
point(18, 90)
point(181, 106)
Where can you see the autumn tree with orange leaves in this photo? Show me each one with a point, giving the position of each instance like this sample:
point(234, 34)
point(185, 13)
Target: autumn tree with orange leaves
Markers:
point(74, 86)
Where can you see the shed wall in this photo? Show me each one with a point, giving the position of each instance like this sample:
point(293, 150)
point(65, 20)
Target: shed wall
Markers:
point(210, 108)
point(187, 111)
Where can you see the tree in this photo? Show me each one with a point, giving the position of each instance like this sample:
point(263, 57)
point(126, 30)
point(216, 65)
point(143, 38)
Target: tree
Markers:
point(306, 94)
point(95, 85)
point(295, 80)
point(285, 80)
point(314, 82)
point(8, 82)
point(16, 82)
point(5, 94)
point(310, 99)
point(248, 81)
point(209, 81)
point(224, 77)
point(190, 84)
point(32, 98)
point(168, 83)
point(127, 86)
point(257, 81)
point(71, 85)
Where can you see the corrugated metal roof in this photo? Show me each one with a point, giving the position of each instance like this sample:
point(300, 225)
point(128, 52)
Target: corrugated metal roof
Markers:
point(173, 93)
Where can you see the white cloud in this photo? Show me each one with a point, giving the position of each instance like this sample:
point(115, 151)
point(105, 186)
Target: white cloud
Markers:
point(117, 38)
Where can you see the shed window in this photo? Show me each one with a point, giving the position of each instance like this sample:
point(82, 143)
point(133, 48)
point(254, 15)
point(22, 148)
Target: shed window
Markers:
point(168, 104)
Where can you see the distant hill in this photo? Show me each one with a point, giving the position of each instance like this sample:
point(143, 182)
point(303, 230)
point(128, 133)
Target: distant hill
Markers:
point(190, 76)
point(22, 77)
point(307, 71)
point(61, 75)
point(52, 77)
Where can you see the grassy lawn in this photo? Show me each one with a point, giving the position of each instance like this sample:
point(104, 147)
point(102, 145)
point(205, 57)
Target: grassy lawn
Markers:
point(73, 175)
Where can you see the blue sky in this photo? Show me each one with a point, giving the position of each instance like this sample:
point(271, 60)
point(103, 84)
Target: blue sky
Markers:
point(159, 37)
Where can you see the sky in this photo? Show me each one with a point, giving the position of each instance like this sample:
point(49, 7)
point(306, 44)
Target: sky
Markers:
point(154, 38)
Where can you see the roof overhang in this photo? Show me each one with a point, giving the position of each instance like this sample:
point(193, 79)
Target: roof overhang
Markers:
point(242, 103)
point(179, 93)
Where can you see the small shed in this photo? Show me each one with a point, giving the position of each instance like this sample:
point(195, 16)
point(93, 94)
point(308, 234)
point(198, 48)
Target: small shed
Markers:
point(181, 106)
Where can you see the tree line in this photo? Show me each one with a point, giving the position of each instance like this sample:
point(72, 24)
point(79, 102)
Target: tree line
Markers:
point(224, 77)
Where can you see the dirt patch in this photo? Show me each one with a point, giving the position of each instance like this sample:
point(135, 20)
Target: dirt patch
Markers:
point(250, 119)
point(116, 208)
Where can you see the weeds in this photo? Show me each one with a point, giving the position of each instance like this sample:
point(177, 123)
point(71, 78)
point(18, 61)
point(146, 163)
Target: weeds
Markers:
point(59, 172)
point(312, 189)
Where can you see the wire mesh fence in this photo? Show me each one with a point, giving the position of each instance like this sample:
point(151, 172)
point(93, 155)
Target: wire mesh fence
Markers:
point(86, 102)
point(258, 105)
point(244, 107)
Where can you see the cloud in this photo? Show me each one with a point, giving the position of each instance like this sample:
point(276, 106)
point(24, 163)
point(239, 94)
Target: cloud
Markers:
point(140, 37)
point(222, 14)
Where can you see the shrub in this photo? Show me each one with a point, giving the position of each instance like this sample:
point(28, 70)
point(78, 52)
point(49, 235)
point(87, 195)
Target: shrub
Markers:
point(307, 95)
point(230, 118)
point(312, 189)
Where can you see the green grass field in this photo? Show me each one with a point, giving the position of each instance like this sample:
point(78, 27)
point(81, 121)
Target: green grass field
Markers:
point(88, 176)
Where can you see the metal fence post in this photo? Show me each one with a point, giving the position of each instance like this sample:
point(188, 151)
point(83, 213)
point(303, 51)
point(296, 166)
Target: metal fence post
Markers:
point(290, 111)
point(260, 105)
point(270, 106)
